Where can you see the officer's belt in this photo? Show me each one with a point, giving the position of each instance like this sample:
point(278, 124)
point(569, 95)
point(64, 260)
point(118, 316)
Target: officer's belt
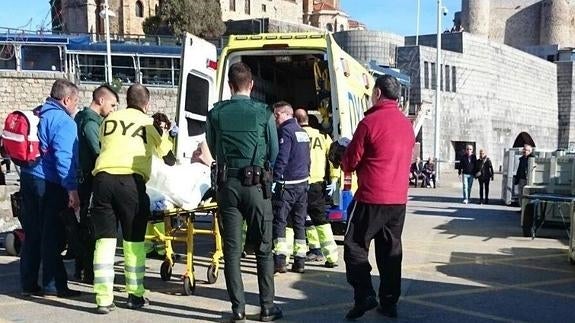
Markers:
point(237, 172)
point(297, 181)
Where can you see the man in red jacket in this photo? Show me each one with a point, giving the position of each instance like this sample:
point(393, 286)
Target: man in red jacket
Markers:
point(380, 154)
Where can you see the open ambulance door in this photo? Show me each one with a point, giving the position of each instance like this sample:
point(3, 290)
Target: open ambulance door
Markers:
point(351, 86)
point(196, 94)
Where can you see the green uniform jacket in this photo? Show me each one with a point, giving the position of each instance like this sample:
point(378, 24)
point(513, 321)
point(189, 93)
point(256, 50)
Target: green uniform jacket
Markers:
point(88, 122)
point(236, 127)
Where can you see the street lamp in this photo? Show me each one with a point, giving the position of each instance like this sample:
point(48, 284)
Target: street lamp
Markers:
point(441, 11)
point(417, 23)
point(106, 14)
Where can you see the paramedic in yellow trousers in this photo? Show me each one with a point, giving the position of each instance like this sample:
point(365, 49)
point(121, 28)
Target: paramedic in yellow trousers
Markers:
point(319, 236)
point(128, 140)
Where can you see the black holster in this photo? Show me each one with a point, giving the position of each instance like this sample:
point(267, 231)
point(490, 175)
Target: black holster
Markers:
point(219, 175)
point(267, 180)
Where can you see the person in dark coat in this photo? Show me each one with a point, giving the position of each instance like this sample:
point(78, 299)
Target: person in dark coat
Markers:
point(417, 172)
point(429, 172)
point(484, 175)
point(466, 171)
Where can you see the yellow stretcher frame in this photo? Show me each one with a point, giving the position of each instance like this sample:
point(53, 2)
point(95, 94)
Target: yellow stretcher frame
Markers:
point(185, 233)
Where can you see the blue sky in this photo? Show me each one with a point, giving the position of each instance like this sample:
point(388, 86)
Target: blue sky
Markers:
point(397, 16)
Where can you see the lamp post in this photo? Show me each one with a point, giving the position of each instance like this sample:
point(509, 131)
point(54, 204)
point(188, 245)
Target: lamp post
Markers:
point(436, 141)
point(106, 14)
point(417, 23)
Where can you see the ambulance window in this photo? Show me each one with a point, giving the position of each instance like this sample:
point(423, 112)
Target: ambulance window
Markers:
point(197, 93)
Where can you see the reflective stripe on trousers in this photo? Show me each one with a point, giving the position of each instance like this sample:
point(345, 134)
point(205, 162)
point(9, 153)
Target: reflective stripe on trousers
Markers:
point(327, 243)
point(104, 254)
point(312, 237)
point(134, 267)
point(298, 249)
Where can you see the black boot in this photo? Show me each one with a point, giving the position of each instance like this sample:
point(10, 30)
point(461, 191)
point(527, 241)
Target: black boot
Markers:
point(298, 265)
point(280, 264)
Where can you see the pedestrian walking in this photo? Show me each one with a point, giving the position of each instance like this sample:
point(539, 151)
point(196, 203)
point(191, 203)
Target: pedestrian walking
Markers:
point(49, 188)
point(128, 140)
point(484, 176)
point(466, 171)
point(242, 136)
point(380, 153)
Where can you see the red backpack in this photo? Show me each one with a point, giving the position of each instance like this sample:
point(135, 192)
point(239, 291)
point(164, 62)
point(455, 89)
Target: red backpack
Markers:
point(20, 138)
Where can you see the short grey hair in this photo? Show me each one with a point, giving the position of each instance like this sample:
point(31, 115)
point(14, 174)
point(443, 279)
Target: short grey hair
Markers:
point(63, 88)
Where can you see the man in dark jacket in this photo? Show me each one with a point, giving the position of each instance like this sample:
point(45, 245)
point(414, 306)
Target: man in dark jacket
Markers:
point(380, 154)
point(522, 170)
point(104, 101)
point(291, 175)
point(417, 171)
point(466, 171)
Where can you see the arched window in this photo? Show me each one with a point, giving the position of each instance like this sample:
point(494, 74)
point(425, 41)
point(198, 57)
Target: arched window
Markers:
point(139, 9)
point(329, 26)
point(341, 28)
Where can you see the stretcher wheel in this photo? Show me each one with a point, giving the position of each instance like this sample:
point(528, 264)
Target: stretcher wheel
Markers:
point(571, 260)
point(189, 286)
point(212, 274)
point(13, 243)
point(166, 270)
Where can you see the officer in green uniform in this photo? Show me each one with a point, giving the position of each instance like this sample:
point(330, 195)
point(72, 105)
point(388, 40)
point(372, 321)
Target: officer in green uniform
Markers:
point(242, 135)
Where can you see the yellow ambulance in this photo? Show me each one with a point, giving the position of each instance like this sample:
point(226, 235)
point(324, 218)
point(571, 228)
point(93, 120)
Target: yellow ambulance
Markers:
point(308, 70)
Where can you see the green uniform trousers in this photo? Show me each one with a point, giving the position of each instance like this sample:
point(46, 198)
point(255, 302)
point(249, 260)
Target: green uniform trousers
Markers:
point(238, 203)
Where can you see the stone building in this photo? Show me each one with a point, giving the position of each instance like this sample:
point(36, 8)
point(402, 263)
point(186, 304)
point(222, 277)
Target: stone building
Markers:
point(290, 11)
point(368, 45)
point(491, 94)
point(521, 23)
point(326, 15)
point(82, 16)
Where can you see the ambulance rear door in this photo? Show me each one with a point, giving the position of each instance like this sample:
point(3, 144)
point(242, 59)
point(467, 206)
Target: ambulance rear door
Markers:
point(196, 94)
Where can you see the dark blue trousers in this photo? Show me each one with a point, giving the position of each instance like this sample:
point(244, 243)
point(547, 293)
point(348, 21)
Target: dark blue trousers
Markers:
point(42, 204)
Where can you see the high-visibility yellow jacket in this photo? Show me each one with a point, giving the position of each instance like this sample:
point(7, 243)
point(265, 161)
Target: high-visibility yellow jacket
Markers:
point(319, 148)
point(128, 139)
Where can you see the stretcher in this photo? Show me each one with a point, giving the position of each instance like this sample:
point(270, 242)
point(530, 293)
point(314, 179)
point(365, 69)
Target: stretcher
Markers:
point(179, 227)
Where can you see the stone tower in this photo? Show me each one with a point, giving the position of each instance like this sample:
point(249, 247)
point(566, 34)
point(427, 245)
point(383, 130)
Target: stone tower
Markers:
point(475, 15)
point(555, 22)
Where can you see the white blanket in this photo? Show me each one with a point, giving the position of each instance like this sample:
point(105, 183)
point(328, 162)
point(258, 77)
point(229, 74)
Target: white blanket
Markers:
point(177, 186)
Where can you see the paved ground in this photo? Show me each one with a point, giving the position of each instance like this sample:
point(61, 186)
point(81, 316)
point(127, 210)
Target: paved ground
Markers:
point(462, 263)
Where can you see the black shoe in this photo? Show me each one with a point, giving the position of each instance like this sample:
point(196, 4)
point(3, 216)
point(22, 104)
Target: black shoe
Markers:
point(486, 202)
point(329, 264)
point(238, 317)
point(280, 264)
point(66, 293)
point(271, 314)
point(298, 265)
point(135, 302)
point(388, 310)
point(314, 255)
point(105, 309)
point(33, 292)
point(360, 308)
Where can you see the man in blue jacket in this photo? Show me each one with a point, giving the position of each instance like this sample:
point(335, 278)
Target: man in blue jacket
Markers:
point(48, 188)
point(291, 175)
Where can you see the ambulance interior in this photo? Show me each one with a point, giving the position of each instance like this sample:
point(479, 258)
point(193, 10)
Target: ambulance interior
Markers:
point(300, 78)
